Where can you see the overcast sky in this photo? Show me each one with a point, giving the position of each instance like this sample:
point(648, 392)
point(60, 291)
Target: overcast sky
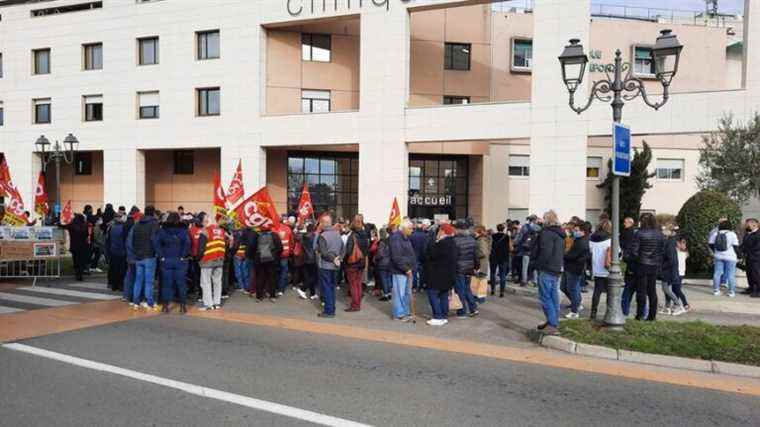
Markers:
point(725, 6)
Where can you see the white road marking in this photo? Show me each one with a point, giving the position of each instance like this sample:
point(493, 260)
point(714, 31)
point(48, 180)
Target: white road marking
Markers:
point(35, 300)
point(70, 293)
point(93, 285)
point(261, 405)
point(7, 310)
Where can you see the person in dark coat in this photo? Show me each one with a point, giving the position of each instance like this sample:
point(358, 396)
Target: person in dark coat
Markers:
point(467, 264)
point(575, 268)
point(173, 251)
point(79, 244)
point(547, 255)
point(116, 252)
point(751, 251)
point(501, 246)
point(403, 262)
point(441, 271)
point(420, 240)
point(647, 250)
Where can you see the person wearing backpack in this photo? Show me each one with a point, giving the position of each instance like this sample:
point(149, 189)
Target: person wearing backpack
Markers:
point(357, 248)
point(725, 247)
point(173, 250)
point(266, 250)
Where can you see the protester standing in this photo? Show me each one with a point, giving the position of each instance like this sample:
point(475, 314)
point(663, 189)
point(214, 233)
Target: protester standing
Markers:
point(467, 265)
point(173, 250)
point(548, 253)
point(419, 239)
point(647, 250)
point(310, 272)
point(285, 234)
point(212, 249)
point(403, 262)
point(669, 274)
point(725, 247)
point(140, 243)
point(357, 248)
point(116, 250)
point(241, 239)
point(441, 272)
point(265, 250)
point(330, 252)
point(575, 268)
point(79, 245)
point(751, 251)
point(502, 246)
point(600, 244)
point(382, 260)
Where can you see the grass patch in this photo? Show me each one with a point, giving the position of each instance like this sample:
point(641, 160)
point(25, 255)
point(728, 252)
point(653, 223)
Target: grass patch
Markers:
point(696, 340)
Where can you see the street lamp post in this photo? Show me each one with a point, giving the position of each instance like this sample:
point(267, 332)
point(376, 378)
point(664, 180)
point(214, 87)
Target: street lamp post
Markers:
point(57, 154)
point(617, 89)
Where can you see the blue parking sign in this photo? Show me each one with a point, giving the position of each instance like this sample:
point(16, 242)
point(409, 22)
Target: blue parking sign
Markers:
point(621, 135)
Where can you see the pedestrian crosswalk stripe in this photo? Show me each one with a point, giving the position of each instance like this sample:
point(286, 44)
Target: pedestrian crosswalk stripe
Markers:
point(34, 300)
point(197, 390)
point(93, 286)
point(7, 310)
point(70, 293)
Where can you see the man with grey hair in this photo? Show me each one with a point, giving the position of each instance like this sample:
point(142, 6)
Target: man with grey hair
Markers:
point(548, 253)
point(403, 261)
point(329, 255)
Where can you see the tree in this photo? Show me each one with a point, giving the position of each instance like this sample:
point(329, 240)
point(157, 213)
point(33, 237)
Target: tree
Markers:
point(730, 159)
point(632, 188)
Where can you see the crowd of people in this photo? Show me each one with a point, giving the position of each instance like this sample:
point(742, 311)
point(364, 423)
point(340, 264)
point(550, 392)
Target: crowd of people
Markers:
point(200, 256)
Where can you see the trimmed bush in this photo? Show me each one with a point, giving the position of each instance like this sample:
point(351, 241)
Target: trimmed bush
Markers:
point(698, 216)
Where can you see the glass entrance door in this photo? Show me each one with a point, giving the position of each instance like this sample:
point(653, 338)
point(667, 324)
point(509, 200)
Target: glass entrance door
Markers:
point(438, 185)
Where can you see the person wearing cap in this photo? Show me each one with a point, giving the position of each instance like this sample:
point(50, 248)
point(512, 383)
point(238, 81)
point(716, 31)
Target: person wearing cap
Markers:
point(441, 272)
point(467, 264)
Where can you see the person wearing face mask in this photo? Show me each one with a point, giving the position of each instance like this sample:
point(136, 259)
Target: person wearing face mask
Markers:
point(751, 251)
point(575, 265)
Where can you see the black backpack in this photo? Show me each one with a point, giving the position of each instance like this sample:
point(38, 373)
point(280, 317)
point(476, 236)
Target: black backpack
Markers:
point(721, 242)
point(265, 247)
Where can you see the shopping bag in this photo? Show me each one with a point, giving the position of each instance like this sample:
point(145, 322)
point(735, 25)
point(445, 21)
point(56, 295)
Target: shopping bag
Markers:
point(479, 286)
point(454, 302)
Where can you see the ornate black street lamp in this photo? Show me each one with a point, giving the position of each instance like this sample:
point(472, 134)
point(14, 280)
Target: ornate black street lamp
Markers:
point(65, 153)
point(617, 89)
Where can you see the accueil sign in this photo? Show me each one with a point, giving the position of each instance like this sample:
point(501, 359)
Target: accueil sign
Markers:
point(310, 7)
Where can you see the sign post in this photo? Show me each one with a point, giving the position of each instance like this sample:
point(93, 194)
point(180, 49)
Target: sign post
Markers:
point(621, 164)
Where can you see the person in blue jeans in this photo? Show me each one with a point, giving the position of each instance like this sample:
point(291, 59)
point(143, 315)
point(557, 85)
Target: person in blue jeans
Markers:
point(725, 246)
point(548, 255)
point(403, 262)
point(173, 249)
point(141, 248)
point(241, 263)
point(330, 253)
point(467, 265)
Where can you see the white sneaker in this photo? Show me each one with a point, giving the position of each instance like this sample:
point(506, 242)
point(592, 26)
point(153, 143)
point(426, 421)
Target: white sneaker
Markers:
point(444, 321)
point(144, 304)
point(435, 322)
point(580, 308)
point(225, 296)
point(301, 294)
point(678, 311)
point(313, 297)
point(279, 294)
point(716, 293)
point(732, 294)
point(572, 315)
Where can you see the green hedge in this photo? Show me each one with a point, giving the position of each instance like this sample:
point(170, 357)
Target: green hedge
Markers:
point(698, 216)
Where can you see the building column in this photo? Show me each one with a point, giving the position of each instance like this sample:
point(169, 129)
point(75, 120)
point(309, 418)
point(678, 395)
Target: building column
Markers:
point(383, 154)
point(558, 136)
point(124, 177)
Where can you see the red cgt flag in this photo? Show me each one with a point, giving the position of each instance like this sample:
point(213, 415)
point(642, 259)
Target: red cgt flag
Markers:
point(6, 184)
point(220, 200)
point(14, 209)
point(236, 193)
point(257, 211)
point(305, 208)
point(395, 216)
point(41, 197)
point(67, 215)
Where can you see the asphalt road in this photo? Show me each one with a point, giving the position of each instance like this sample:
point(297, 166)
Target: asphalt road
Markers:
point(372, 383)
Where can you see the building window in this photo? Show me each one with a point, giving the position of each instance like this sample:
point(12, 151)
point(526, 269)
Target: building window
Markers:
point(316, 47)
point(208, 44)
point(643, 65)
point(670, 169)
point(453, 100)
point(83, 163)
point(593, 167)
point(42, 111)
point(41, 59)
point(315, 101)
point(209, 102)
point(457, 56)
point(93, 108)
point(148, 50)
point(184, 162)
point(522, 54)
point(519, 165)
point(332, 179)
point(148, 105)
point(57, 10)
point(438, 185)
point(93, 56)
